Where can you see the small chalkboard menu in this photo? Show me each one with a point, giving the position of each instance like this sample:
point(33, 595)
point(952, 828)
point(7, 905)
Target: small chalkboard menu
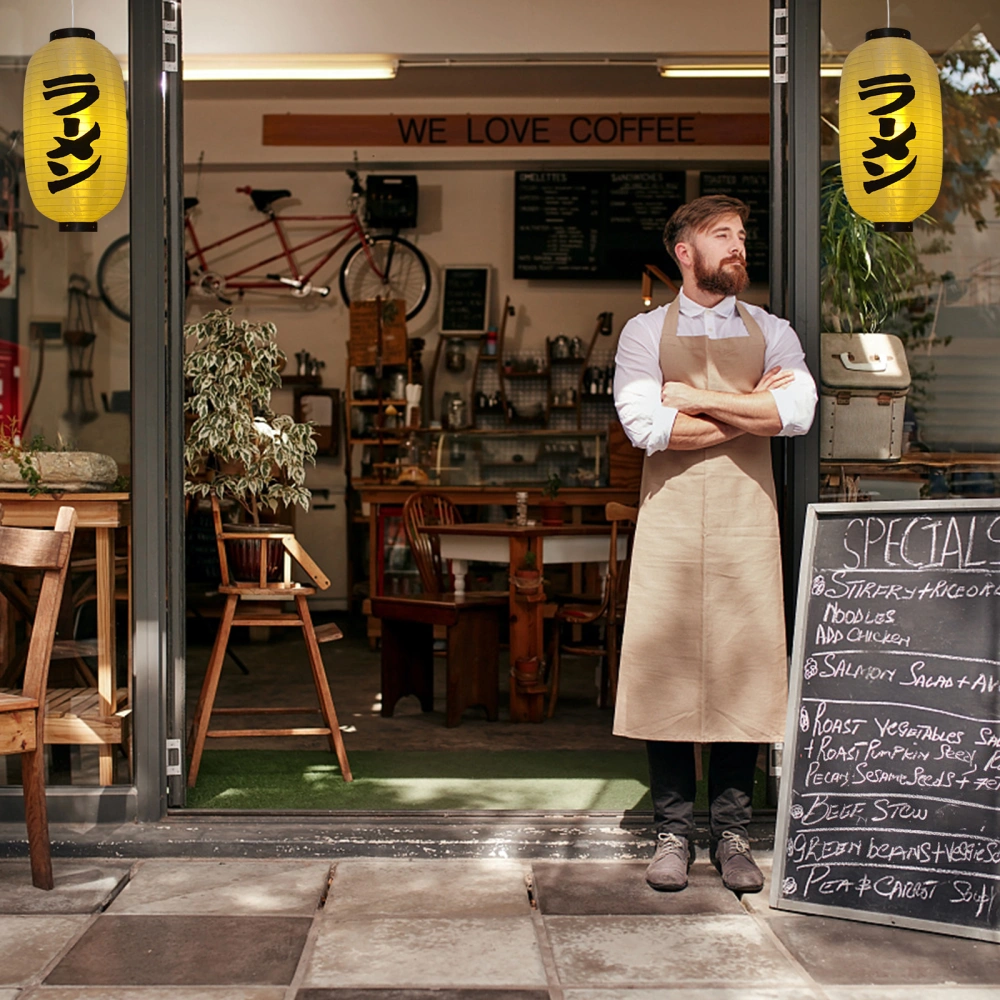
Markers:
point(890, 797)
point(600, 225)
point(752, 187)
point(465, 298)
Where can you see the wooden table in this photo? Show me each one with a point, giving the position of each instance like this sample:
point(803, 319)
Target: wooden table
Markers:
point(509, 543)
point(85, 715)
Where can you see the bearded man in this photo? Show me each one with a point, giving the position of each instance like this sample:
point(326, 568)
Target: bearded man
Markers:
point(701, 385)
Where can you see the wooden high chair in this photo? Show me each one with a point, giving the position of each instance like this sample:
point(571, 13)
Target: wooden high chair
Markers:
point(22, 715)
point(254, 593)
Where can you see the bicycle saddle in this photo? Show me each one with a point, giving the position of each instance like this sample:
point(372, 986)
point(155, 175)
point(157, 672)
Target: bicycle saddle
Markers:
point(190, 203)
point(262, 199)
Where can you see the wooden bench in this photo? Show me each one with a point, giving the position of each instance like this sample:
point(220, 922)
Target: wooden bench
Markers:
point(473, 658)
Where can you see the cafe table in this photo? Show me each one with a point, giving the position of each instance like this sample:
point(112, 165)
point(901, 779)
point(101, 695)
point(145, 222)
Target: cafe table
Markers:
point(509, 544)
point(97, 715)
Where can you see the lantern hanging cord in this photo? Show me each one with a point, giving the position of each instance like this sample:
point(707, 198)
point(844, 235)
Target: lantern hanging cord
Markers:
point(72, 13)
point(888, 16)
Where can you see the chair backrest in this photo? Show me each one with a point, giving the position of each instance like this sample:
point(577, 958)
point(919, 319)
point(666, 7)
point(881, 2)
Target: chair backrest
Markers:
point(41, 549)
point(618, 514)
point(422, 509)
point(262, 552)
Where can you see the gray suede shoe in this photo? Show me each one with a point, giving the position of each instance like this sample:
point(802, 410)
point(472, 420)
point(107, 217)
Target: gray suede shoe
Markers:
point(668, 871)
point(736, 865)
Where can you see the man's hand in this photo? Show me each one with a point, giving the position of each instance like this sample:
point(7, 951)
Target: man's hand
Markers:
point(683, 398)
point(775, 378)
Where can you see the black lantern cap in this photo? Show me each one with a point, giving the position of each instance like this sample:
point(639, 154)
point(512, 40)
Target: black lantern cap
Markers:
point(892, 227)
point(78, 227)
point(886, 33)
point(71, 33)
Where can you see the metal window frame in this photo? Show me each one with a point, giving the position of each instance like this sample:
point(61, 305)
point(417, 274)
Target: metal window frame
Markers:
point(156, 220)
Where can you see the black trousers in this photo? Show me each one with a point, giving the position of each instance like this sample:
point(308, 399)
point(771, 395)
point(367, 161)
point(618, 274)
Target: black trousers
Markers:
point(731, 772)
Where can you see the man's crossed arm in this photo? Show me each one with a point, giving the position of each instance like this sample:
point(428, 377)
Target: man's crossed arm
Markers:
point(706, 418)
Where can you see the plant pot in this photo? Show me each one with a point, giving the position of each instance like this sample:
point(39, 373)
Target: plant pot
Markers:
point(553, 512)
point(526, 580)
point(243, 554)
point(526, 670)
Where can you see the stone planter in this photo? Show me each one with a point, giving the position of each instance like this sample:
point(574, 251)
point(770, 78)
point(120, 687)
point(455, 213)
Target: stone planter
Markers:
point(63, 471)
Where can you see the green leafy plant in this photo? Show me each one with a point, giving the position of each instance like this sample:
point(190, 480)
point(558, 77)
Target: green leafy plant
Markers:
point(529, 562)
point(236, 446)
point(22, 456)
point(551, 487)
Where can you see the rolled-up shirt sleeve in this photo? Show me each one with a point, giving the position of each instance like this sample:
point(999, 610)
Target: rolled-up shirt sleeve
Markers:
point(796, 402)
point(638, 381)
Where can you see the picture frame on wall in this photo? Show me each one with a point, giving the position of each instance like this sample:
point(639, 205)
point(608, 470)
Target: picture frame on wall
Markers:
point(465, 298)
point(322, 407)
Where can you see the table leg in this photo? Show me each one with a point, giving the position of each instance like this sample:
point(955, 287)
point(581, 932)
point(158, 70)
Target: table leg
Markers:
point(525, 632)
point(106, 658)
point(460, 567)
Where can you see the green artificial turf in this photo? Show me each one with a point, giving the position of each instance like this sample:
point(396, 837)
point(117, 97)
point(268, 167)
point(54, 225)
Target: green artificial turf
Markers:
point(387, 780)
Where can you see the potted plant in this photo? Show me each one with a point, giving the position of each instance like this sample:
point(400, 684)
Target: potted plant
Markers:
point(236, 447)
point(526, 576)
point(553, 510)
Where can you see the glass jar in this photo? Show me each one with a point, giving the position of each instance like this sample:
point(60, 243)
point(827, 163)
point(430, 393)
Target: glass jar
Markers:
point(454, 354)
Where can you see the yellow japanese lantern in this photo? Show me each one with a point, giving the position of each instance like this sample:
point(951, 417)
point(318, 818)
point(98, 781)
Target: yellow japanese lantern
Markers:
point(75, 130)
point(891, 143)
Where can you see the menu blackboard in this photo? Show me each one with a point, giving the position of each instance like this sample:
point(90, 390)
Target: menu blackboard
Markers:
point(465, 299)
point(753, 188)
point(601, 225)
point(890, 797)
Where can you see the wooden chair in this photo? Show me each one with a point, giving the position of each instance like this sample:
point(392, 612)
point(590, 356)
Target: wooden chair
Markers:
point(609, 614)
point(256, 594)
point(22, 716)
point(422, 509)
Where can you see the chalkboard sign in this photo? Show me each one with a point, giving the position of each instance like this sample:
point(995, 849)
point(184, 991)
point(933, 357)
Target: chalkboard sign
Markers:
point(753, 188)
point(601, 225)
point(890, 797)
point(465, 299)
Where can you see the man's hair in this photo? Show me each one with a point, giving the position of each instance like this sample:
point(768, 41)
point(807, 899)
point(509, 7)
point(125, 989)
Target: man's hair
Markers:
point(697, 216)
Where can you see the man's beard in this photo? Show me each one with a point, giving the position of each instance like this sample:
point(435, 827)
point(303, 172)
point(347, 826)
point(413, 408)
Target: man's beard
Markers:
point(729, 278)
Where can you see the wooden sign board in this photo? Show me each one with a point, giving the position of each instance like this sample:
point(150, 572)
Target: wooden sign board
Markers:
point(364, 333)
point(890, 793)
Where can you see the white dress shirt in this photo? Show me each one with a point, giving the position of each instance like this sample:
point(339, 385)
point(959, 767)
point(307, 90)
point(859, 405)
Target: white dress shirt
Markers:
point(638, 377)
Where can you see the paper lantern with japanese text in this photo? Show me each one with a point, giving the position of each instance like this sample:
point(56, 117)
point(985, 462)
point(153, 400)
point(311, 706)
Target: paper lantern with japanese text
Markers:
point(75, 130)
point(891, 139)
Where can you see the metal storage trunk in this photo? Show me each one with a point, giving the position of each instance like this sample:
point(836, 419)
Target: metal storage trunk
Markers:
point(864, 379)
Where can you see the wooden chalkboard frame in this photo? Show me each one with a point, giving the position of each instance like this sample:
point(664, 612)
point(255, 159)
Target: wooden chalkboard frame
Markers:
point(487, 270)
point(814, 513)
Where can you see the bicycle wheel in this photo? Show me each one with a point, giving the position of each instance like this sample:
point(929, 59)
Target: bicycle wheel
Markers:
point(114, 277)
point(407, 275)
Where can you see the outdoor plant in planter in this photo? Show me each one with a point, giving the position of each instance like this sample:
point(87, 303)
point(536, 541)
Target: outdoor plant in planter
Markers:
point(237, 447)
point(38, 467)
point(553, 510)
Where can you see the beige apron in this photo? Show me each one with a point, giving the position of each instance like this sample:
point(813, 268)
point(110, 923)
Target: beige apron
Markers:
point(703, 651)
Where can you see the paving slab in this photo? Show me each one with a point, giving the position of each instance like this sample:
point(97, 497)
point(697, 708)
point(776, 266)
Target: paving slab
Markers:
point(428, 952)
point(29, 943)
point(159, 993)
point(702, 993)
point(668, 951)
point(81, 886)
point(594, 888)
point(225, 888)
point(912, 992)
point(150, 950)
point(848, 952)
point(456, 888)
point(475, 994)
